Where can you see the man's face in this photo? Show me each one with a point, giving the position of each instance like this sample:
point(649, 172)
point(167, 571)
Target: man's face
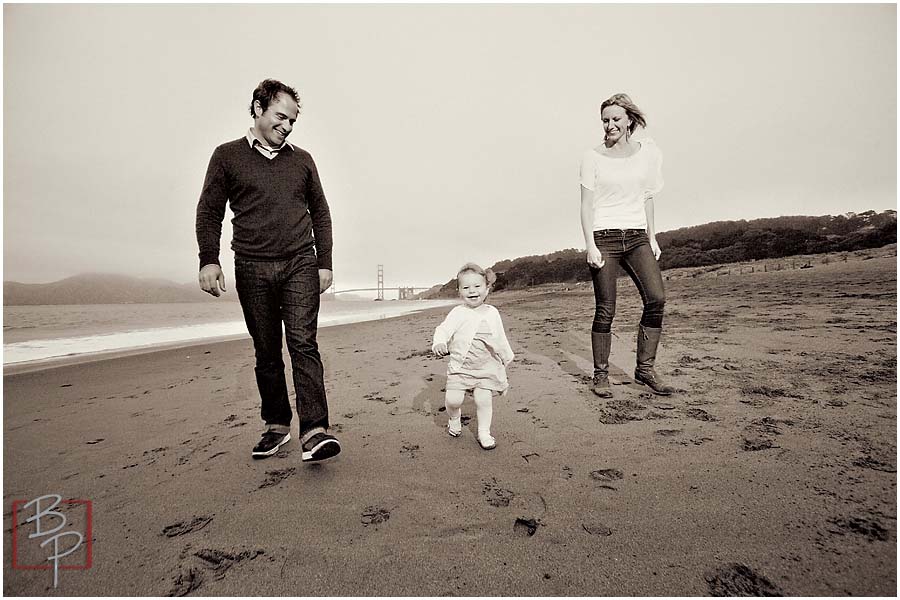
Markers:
point(276, 123)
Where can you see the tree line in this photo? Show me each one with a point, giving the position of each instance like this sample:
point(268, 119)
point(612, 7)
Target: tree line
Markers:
point(715, 243)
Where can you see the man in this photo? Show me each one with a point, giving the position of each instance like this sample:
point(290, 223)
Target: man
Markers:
point(282, 262)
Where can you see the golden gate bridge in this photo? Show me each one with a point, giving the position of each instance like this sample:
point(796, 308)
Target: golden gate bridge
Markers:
point(403, 292)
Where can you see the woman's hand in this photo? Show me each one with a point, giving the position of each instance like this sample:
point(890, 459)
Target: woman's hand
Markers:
point(654, 245)
point(595, 258)
point(440, 349)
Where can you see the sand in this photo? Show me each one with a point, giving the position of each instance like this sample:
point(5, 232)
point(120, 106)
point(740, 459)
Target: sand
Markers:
point(774, 471)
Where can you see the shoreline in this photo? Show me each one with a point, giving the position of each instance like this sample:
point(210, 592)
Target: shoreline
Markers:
point(28, 366)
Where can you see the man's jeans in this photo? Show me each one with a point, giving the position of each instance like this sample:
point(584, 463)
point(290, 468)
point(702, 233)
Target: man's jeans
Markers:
point(630, 249)
point(272, 292)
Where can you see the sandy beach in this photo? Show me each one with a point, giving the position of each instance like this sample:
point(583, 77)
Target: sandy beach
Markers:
point(773, 472)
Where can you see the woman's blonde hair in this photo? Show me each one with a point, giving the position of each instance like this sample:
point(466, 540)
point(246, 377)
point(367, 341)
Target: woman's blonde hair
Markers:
point(634, 113)
point(489, 276)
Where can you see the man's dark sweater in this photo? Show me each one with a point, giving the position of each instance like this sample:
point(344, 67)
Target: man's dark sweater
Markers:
point(278, 205)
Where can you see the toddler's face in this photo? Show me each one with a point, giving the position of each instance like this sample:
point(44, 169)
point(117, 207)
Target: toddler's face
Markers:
point(473, 289)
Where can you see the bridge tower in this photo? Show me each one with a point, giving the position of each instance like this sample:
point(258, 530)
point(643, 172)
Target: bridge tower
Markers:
point(380, 282)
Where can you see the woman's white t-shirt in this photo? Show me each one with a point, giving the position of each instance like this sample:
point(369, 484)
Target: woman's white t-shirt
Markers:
point(621, 186)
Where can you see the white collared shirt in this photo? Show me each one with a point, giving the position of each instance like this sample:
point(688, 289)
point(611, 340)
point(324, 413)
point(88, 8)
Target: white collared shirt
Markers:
point(263, 149)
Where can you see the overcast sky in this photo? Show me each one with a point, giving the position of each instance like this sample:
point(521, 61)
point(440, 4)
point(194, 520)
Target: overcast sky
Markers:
point(443, 134)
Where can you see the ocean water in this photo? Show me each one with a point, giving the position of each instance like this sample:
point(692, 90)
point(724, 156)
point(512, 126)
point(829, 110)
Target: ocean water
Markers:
point(38, 333)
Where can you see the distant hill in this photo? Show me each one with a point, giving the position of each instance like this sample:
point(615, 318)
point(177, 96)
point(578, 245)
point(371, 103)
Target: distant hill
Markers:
point(713, 243)
point(98, 288)
point(736, 241)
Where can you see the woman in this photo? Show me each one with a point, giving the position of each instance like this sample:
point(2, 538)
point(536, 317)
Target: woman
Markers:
point(618, 181)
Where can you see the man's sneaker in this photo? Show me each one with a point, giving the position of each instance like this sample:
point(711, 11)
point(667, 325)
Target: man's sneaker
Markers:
point(270, 443)
point(320, 446)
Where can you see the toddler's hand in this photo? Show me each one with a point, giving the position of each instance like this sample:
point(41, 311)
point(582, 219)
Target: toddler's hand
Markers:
point(440, 349)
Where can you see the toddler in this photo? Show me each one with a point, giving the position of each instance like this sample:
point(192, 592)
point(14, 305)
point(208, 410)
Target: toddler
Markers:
point(473, 336)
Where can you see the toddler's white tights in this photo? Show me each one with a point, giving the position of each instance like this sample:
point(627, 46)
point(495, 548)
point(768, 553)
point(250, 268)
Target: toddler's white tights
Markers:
point(484, 411)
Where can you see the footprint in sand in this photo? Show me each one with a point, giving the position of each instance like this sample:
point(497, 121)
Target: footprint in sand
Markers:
point(276, 477)
point(219, 561)
point(767, 392)
point(526, 527)
point(867, 462)
point(409, 450)
point(615, 417)
point(757, 444)
point(376, 397)
point(740, 580)
point(667, 432)
point(185, 527)
point(607, 474)
point(696, 441)
point(191, 577)
point(494, 494)
point(187, 581)
point(597, 529)
point(154, 455)
point(699, 414)
point(767, 425)
point(653, 415)
point(697, 402)
point(868, 528)
point(374, 515)
point(97, 441)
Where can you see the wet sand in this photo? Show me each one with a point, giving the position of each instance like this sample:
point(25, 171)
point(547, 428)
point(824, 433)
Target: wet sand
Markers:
point(774, 471)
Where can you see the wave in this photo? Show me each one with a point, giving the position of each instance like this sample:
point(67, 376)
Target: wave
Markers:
point(48, 349)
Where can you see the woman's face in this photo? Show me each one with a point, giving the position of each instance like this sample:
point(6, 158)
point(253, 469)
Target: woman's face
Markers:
point(615, 123)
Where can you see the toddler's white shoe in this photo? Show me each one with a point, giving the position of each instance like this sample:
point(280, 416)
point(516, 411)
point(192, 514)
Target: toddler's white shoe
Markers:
point(486, 441)
point(454, 427)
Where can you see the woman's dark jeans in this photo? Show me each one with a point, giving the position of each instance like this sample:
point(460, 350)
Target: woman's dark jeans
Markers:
point(273, 292)
point(630, 249)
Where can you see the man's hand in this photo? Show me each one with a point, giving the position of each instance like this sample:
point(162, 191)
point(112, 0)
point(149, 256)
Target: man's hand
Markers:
point(654, 245)
point(212, 279)
point(325, 278)
point(440, 349)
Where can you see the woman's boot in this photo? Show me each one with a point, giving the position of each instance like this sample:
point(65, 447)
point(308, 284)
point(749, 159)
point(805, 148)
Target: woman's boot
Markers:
point(647, 343)
point(600, 345)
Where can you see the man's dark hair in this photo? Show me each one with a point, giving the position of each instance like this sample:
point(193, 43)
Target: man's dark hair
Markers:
point(267, 91)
